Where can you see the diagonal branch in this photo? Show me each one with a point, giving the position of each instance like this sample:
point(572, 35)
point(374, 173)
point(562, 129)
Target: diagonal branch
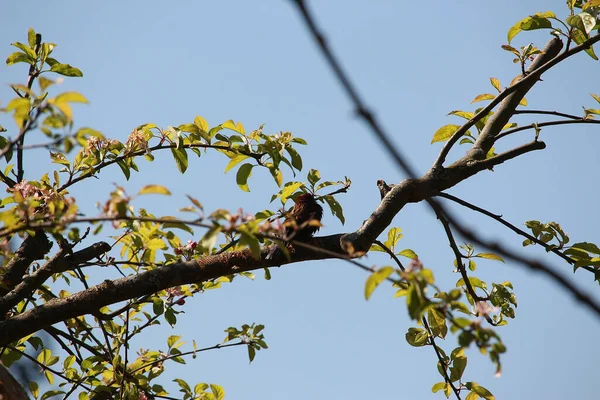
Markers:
point(541, 64)
point(361, 109)
point(457, 255)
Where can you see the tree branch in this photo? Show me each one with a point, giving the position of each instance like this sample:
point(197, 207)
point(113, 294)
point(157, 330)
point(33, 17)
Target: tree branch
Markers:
point(34, 247)
point(541, 64)
point(549, 123)
point(60, 262)
point(360, 107)
point(513, 228)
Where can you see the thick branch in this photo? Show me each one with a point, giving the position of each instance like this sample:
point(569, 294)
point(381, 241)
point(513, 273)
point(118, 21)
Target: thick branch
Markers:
point(211, 267)
point(34, 247)
point(510, 98)
point(58, 263)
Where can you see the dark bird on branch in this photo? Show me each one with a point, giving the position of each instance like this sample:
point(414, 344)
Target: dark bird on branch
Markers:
point(383, 187)
point(299, 221)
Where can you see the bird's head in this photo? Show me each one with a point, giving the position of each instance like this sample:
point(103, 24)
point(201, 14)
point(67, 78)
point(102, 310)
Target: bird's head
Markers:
point(305, 198)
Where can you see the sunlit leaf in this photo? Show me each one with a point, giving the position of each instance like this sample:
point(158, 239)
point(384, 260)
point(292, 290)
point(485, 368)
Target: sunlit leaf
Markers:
point(242, 176)
point(66, 70)
point(375, 280)
point(444, 133)
point(154, 189)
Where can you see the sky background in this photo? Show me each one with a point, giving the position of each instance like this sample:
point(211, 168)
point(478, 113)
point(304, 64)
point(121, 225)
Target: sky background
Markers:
point(254, 62)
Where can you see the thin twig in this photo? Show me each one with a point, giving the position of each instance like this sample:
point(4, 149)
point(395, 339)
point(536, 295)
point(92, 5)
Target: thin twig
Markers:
point(512, 227)
point(546, 112)
point(458, 256)
point(427, 327)
point(534, 265)
point(542, 124)
point(361, 109)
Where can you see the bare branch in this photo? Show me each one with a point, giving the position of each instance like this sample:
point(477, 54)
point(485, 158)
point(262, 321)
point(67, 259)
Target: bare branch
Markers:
point(549, 123)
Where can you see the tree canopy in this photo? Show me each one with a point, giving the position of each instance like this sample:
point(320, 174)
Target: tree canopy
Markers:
point(78, 286)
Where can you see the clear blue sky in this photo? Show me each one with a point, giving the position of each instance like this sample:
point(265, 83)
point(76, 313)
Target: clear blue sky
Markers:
point(253, 62)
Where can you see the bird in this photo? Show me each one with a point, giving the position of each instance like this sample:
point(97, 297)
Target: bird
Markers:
point(298, 224)
point(383, 187)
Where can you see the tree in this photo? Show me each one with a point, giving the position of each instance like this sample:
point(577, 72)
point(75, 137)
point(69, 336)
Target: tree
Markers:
point(162, 270)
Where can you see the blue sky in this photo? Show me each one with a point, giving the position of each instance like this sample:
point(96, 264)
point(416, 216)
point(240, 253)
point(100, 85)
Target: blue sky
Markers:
point(254, 62)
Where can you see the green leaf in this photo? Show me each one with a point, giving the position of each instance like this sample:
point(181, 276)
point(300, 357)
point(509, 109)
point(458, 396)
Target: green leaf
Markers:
point(480, 390)
point(463, 114)
point(26, 49)
point(489, 256)
point(289, 189)
point(588, 247)
point(417, 337)
point(483, 97)
point(437, 323)
point(239, 128)
point(296, 159)
point(70, 97)
point(124, 168)
point(235, 161)
point(277, 175)
point(154, 189)
point(34, 389)
point(579, 37)
point(171, 340)
point(59, 158)
point(18, 57)
point(415, 301)
point(408, 253)
point(537, 21)
point(458, 368)
point(375, 280)
point(242, 176)
point(376, 247)
point(336, 208)
point(181, 159)
point(314, 176)
point(31, 38)
point(438, 386)
point(444, 133)
point(201, 123)
point(51, 393)
point(66, 70)
point(394, 235)
point(496, 84)
point(218, 391)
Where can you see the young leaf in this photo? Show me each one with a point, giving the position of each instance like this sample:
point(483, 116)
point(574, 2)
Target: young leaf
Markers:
point(154, 189)
point(375, 280)
point(181, 158)
point(66, 70)
point(242, 176)
point(489, 256)
point(336, 208)
point(416, 337)
point(444, 133)
point(496, 83)
point(483, 97)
